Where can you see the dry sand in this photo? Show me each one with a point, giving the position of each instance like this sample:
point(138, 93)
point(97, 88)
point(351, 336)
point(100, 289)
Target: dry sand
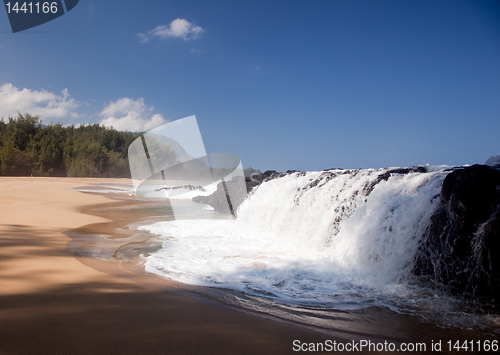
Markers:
point(52, 303)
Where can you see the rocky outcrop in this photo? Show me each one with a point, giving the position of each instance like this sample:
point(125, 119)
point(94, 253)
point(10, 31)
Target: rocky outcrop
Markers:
point(258, 178)
point(463, 241)
point(461, 244)
point(385, 176)
point(219, 201)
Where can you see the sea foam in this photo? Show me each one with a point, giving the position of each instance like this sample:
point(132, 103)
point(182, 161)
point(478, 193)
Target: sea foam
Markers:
point(341, 238)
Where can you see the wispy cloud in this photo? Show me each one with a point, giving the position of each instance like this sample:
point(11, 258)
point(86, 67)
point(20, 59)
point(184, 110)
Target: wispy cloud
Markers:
point(178, 28)
point(143, 38)
point(44, 103)
point(130, 115)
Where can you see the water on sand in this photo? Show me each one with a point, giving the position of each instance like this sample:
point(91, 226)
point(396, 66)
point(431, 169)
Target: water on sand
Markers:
point(266, 276)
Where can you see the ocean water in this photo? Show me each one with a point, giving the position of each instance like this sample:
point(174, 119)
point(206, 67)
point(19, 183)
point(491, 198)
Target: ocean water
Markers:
point(128, 189)
point(317, 241)
point(118, 189)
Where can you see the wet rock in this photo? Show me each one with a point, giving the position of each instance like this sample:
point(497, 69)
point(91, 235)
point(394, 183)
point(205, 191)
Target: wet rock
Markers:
point(463, 240)
point(219, 201)
point(386, 175)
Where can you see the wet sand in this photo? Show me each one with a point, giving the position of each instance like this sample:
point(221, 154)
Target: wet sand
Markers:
point(118, 241)
point(54, 303)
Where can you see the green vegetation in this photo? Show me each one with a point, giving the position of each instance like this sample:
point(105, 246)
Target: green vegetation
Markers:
point(29, 147)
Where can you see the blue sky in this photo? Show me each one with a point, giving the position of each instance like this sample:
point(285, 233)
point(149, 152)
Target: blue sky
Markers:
point(305, 85)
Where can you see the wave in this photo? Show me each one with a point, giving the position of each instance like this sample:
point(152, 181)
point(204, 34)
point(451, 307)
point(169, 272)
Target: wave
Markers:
point(341, 238)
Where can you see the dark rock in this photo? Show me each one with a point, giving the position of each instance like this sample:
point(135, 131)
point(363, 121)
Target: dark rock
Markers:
point(386, 175)
point(463, 240)
point(219, 201)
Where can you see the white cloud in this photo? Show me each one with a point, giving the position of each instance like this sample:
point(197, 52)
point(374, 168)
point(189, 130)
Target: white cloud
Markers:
point(44, 103)
point(130, 115)
point(178, 28)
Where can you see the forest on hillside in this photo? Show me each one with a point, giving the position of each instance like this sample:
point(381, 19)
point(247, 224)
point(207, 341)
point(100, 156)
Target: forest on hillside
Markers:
point(29, 147)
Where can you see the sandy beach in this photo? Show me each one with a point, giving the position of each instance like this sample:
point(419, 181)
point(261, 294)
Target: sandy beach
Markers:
point(53, 303)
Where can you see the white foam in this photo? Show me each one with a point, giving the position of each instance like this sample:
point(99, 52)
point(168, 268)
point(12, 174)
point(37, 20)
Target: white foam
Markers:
point(127, 189)
point(315, 237)
point(188, 195)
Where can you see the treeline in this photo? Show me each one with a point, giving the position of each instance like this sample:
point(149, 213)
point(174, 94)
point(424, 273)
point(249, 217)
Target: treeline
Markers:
point(29, 147)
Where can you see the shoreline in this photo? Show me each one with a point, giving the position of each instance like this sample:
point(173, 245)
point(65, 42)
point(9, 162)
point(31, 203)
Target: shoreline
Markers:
point(372, 323)
point(97, 255)
point(107, 238)
point(51, 302)
point(54, 302)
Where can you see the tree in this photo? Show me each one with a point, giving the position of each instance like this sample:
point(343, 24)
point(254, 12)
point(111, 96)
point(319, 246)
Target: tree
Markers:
point(27, 146)
point(6, 156)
